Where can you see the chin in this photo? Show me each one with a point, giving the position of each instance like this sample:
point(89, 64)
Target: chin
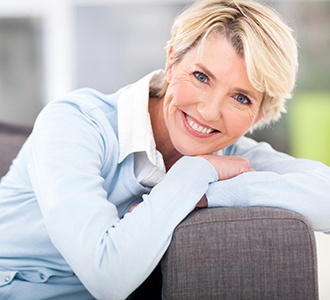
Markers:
point(190, 151)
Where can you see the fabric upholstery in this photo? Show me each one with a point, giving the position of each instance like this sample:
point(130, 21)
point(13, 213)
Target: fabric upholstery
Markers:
point(12, 137)
point(241, 253)
point(223, 253)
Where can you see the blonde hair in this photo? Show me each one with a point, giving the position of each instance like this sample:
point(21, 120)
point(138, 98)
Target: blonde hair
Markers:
point(257, 33)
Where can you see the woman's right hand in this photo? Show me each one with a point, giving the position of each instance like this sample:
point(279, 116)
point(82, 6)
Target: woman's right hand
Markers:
point(228, 166)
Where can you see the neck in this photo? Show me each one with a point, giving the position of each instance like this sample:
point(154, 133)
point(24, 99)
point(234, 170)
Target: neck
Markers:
point(161, 135)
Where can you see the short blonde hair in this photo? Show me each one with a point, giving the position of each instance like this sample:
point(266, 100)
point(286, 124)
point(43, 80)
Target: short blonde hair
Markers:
point(257, 34)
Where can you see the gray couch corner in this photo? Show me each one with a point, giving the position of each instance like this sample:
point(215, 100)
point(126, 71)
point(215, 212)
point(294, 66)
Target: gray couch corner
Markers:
point(241, 253)
point(224, 253)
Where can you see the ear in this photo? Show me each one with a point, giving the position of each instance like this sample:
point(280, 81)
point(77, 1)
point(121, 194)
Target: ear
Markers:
point(169, 64)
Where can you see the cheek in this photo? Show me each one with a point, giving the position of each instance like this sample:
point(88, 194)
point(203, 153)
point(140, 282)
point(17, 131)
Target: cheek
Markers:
point(180, 92)
point(239, 122)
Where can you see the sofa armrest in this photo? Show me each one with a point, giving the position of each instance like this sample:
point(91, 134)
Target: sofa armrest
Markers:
point(241, 253)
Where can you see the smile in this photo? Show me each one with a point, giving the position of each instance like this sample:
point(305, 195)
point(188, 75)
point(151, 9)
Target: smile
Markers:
point(197, 127)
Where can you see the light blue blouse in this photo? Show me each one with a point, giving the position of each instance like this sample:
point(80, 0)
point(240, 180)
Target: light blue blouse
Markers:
point(64, 227)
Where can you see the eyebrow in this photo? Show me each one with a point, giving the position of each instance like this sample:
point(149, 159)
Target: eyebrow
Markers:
point(206, 70)
point(239, 90)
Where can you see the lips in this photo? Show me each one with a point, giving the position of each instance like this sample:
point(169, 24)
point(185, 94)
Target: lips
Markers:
point(196, 128)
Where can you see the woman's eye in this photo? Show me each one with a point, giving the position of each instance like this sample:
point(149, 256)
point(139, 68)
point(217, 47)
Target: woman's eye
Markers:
point(201, 77)
point(242, 99)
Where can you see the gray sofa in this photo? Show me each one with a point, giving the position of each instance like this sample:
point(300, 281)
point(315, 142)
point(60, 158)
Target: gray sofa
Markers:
point(222, 253)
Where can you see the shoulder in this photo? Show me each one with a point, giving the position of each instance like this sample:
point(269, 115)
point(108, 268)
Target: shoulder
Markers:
point(82, 106)
point(85, 100)
point(83, 115)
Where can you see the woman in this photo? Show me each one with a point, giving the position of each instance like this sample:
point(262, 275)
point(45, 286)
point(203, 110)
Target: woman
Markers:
point(89, 206)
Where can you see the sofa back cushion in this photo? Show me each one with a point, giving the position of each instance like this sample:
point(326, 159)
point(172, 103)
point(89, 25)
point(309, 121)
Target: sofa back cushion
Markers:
point(12, 137)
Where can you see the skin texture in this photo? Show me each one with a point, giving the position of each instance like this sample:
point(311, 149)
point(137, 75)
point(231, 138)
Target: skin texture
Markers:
point(210, 86)
point(209, 104)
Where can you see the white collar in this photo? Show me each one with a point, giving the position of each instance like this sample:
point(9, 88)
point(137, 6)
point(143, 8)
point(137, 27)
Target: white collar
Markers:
point(134, 126)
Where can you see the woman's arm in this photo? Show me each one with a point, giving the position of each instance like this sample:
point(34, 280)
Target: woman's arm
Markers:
point(111, 256)
point(280, 181)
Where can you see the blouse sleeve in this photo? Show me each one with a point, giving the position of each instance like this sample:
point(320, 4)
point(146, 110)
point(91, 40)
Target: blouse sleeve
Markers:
point(111, 256)
point(279, 181)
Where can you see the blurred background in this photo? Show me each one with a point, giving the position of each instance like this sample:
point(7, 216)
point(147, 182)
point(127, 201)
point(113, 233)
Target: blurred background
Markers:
point(48, 48)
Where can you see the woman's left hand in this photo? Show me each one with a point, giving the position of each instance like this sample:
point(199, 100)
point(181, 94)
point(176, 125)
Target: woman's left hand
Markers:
point(202, 203)
point(132, 207)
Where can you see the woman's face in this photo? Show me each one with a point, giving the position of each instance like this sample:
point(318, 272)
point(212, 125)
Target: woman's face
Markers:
point(209, 102)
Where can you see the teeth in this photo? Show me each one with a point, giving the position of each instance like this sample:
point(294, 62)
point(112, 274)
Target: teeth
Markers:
point(197, 127)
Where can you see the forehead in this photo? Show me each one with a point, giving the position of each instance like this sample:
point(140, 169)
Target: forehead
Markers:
point(217, 54)
point(220, 33)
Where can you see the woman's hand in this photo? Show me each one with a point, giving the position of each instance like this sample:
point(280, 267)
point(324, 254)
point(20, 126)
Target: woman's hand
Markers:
point(201, 203)
point(228, 166)
point(133, 207)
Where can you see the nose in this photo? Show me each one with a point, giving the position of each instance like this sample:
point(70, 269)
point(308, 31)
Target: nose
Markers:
point(210, 109)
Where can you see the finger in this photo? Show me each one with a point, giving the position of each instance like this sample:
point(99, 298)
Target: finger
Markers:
point(133, 207)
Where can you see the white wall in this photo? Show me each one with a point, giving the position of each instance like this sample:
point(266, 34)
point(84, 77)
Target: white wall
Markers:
point(59, 35)
point(61, 69)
